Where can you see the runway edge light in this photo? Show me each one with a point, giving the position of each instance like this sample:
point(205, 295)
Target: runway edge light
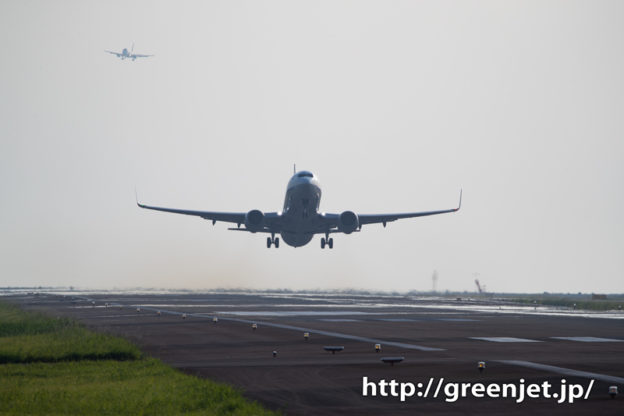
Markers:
point(392, 360)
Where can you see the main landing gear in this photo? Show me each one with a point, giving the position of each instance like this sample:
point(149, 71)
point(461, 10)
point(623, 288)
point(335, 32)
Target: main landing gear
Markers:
point(327, 241)
point(274, 241)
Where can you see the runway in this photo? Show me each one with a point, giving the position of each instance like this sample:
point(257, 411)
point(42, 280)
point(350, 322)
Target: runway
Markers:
point(438, 339)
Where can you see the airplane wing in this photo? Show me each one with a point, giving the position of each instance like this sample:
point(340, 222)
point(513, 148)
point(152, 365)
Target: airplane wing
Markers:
point(114, 53)
point(234, 217)
point(271, 219)
point(332, 220)
point(137, 55)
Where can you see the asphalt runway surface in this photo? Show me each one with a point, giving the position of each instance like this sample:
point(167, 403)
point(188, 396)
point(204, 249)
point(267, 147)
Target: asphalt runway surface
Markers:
point(438, 339)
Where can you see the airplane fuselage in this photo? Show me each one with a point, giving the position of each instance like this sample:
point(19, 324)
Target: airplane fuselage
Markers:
point(301, 209)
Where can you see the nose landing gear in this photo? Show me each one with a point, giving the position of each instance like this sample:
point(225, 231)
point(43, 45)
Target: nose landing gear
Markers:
point(274, 241)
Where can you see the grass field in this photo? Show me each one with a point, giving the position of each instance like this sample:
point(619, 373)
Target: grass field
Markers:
point(56, 367)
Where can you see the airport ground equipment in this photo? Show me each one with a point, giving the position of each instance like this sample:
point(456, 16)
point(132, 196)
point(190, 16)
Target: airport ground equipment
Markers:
point(274, 353)
point(377, 347)
point(306, 335)
point(481, 366)
point(254, 326)
point(215, 320)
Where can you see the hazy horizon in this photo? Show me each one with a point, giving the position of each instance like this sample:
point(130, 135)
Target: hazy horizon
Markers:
point(395, 106)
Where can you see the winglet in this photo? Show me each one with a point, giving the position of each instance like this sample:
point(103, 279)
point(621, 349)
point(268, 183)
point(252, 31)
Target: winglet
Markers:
point(460, 198)
point(136, 197)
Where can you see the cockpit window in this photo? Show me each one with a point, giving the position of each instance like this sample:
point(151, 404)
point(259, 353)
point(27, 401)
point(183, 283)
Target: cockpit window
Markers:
point(305, 175)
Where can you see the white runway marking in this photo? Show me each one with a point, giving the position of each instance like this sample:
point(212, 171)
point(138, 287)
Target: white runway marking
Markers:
point(589, 339)
point(458, 320)
point(564, 371)
point(341, 320)
point(294, 313)
point(504, 339)
point(398, 320)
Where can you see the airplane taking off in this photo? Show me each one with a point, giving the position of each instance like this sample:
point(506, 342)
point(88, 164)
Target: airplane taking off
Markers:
point(124, 54)
point(300, 218)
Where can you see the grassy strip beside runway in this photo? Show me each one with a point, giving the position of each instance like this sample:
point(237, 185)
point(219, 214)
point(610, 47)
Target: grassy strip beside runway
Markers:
point(27, 337)
point(55, 366)
point(590, 305)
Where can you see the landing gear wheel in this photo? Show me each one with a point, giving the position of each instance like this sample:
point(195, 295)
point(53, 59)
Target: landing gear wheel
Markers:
point(268, 242)
point(331, 243)
point(276, 242)
point(323, 242)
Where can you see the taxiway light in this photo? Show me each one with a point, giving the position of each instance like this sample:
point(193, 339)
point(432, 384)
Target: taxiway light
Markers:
point(306, 335)
point(392, 360)
point(183, 316)
point(274, 353)
point(613, 391)
point(333, 348)
point(254, 326)
point(481, 365)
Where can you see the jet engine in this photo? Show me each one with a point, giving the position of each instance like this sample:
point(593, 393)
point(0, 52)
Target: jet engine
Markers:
point(254, 220)
point(348, 222)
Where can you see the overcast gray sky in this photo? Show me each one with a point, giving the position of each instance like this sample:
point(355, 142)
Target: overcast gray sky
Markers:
point(395, 105)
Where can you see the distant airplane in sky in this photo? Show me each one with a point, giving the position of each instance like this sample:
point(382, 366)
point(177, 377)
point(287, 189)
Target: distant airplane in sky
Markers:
point(124, 54)
point(300, 218)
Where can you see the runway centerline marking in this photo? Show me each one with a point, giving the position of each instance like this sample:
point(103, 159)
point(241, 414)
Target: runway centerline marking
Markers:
point(504, 339)
point(564, 371)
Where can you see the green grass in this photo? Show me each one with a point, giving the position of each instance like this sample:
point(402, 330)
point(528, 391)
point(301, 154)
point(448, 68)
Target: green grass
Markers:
point(14, 321)
point(54, 366)
point(30, 337)
point(141, 387)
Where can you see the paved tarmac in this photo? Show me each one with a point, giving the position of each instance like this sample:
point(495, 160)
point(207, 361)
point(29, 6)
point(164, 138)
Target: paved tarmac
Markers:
point(439, 339)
